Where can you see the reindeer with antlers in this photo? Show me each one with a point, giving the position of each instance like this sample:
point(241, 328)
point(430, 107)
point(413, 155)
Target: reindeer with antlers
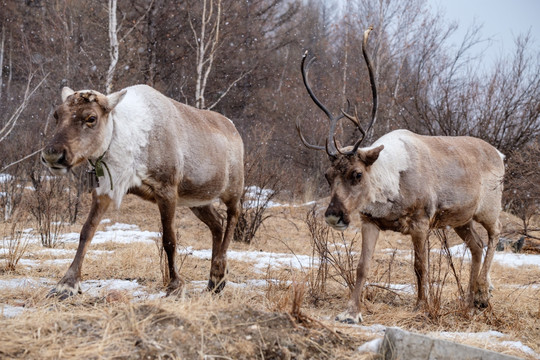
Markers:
point(410, 184)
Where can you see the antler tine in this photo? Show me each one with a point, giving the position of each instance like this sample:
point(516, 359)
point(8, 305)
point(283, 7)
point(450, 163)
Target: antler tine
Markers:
point(305, 69)
point(330, 149)
point(371, 79)
point(304, 141)
point(354, 119)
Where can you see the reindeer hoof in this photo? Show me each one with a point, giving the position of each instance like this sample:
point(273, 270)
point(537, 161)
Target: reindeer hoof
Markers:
point(216, 288)
point(348, 318)
point(62, 292)
point(481, 304)
point(175, 288)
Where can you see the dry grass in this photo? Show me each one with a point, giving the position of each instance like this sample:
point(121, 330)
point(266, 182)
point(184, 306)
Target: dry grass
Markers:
point(280, 320)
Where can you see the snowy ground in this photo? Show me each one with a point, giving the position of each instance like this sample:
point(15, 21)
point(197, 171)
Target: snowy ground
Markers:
point(262, 261)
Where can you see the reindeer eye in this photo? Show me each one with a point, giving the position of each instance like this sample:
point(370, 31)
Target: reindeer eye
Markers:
point(55, 115)
point(91, 120)
point(356, 176)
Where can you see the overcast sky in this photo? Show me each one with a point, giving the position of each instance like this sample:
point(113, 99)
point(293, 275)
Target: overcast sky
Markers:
point(502, 20)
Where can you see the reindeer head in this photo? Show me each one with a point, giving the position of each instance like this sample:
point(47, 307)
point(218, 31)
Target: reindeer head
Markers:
point(83, 129)
point(349, 172)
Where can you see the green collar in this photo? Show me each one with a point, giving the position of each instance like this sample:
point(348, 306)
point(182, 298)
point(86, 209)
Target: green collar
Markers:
point(98, 169)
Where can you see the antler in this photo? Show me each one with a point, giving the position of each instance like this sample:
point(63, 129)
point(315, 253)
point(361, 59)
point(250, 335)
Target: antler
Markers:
point(354, 118)
point(330, 146)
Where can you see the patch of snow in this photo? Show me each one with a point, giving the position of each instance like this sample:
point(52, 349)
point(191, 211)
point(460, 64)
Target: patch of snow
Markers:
point(57, 252)
point(503, 258)
point(370, 346)
point(23, 283)
point(255, 197)
point(520, 346)
point(404, 288)
point(9, 311)
point(5, 178)
point(94, 287)
point(29, 262)
point(118, 233)
point(120, 226)
point(262, 259)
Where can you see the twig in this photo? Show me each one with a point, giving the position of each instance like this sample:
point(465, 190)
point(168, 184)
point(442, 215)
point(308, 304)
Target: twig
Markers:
point(20, 160)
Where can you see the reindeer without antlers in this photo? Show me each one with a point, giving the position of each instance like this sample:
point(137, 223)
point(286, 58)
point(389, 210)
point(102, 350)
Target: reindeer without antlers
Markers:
point(410, 184)
point(141, 142)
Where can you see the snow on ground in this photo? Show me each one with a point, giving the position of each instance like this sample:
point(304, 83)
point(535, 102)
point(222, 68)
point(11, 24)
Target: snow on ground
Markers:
point(262, 260)
point(501, 257)
point(5, 177)
point(257, 197)
point(118, 233)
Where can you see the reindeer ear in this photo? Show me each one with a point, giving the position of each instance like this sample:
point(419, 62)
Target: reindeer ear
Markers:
point(371, 155)
point(66, 92)
point(114, 99)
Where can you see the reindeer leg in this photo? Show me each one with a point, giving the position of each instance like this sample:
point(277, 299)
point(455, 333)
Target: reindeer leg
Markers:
point(166, 201)
point(70, 283)
point(473, 241)
point(481, 297)
point(370, 234)
point(216, 283)
point(209, 216)
point(420, 265)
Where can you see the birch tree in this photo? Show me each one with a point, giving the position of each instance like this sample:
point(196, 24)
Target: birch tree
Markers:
point(207, 42)
point(113, 43)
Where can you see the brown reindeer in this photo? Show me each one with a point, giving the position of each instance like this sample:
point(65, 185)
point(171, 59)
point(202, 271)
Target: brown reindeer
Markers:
point(411, 183)
point(141, 142)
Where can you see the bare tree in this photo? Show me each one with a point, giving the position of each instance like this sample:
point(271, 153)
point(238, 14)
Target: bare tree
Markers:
point(522, 188)
point(206, 44)
point(113, 42)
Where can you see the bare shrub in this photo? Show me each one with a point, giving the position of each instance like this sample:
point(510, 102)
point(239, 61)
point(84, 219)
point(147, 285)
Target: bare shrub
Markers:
point(440, 268)
point(522, 189)
point(163, 261)
point(48, 205)
point(11, 192)
point(319, 255)
point(14, 244)
point(334, 252)
point(263, 181)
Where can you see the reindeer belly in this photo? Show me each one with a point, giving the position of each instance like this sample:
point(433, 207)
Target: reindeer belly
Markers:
point(192, 193)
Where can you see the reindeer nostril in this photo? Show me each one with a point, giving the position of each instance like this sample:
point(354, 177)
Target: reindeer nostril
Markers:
point(62, 157)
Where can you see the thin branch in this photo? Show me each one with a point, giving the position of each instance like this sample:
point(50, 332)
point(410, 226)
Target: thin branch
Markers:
point(8, 127)
point(228, 89)
point(20, 160)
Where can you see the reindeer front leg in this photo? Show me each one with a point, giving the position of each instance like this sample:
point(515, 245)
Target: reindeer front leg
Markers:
point(70, 283)
point(370, 234)
point(166, 201)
